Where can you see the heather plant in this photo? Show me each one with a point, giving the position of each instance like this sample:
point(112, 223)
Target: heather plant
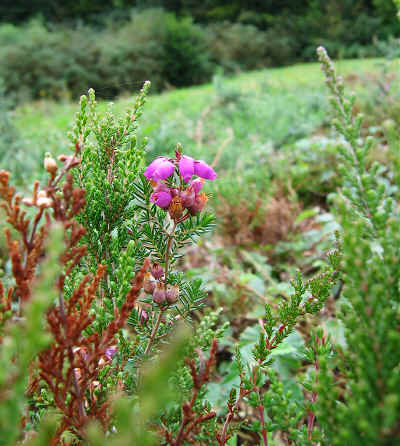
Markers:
point(123, 232)
point(365, 409)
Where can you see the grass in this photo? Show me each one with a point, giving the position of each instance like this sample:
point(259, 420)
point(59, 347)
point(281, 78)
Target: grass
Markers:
point(275, 106)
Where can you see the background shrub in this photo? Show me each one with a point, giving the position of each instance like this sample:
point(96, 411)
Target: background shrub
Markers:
point(60, 62)
point(173, 45)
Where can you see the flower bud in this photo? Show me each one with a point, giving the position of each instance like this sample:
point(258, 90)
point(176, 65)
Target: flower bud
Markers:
point(143, 317)
point(159, 294)
point(43, 201)
point(199, 203)
point(50, 165)
point(110, 352)
point(172, 294)
point(188, 197)
point(62, 158)
point(27, 201)
point(175, 209)
point(157, 270)
point(81, 352)
point(148, 284)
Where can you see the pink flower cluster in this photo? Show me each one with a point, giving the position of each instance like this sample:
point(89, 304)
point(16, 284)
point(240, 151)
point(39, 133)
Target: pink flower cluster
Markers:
point(187, 194)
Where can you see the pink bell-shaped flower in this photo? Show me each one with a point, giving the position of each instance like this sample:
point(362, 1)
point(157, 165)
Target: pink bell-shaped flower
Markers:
point(160, 169)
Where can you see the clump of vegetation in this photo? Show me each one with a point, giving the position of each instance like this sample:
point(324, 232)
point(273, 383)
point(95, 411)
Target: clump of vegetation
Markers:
point(59, 52)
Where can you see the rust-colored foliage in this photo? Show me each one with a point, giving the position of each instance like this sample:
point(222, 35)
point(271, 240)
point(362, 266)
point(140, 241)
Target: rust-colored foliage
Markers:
point(262, 223)
point(70, 366)
point(24, 254)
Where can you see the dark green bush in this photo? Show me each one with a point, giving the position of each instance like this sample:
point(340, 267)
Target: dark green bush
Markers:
point(186, 57)
point(235, 46)
point(40, 59)
point(60, 62)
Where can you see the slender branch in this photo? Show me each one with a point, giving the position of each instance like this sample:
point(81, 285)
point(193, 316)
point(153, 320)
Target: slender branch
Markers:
point(262, 418)
point(35, 224)
point(154, 332)
point(166, 269)
point(223, 437)
point(81, 407)
point(167, 253)
point(72, 160)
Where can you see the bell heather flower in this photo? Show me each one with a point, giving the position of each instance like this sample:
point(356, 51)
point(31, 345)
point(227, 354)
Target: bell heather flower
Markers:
point(159, 294)
point(203, 170)
point(172, 294)
point(199, 203)
point(160, 169)
point(110, 352)
point(149, 283)
point(157, 270)
point(188, 197)
point(161, 199)
point(197, 185)
point(176, 197)
point(143, 317)
point(186, 167)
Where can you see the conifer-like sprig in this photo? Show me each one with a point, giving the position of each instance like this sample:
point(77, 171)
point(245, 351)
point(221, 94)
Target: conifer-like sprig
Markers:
point(357, 388)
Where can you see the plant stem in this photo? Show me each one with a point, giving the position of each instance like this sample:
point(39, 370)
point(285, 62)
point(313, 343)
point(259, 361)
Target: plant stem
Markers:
point(158, 321)
point(154, 332)
point(81, 406)
point(167, 253)
point(263, 430)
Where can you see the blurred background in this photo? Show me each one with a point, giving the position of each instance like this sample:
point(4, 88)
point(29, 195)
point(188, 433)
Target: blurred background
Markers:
point(237, 83)
point(58, 49)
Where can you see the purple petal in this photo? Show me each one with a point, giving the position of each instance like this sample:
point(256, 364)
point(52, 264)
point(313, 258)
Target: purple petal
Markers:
point(187, 197)
point(197, 185)
point(148, 173)
point(110, 352)
point(161, 199)
point(186, 168)
point(203, 170)
point(160, 169)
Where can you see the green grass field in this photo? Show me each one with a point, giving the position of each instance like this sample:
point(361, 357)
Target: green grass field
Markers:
point(276, 106)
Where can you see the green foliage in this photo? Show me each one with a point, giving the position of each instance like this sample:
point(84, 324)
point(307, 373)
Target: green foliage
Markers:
point(64, 62)
point(171, 48)
point(342, 383)
point(12, 147)
point(186, 55)
point(368, 214)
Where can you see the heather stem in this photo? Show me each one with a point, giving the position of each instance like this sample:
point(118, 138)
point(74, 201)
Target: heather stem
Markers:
point(166, 268)
point(154, 332)
point(224, 437)
point(262, 418)
point(81, 407)
point(167, 253)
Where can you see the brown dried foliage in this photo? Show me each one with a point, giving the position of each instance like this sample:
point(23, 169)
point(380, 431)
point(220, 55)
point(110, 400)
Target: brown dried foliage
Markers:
point(262, 223)
point(24, 254)
point(71, 365)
